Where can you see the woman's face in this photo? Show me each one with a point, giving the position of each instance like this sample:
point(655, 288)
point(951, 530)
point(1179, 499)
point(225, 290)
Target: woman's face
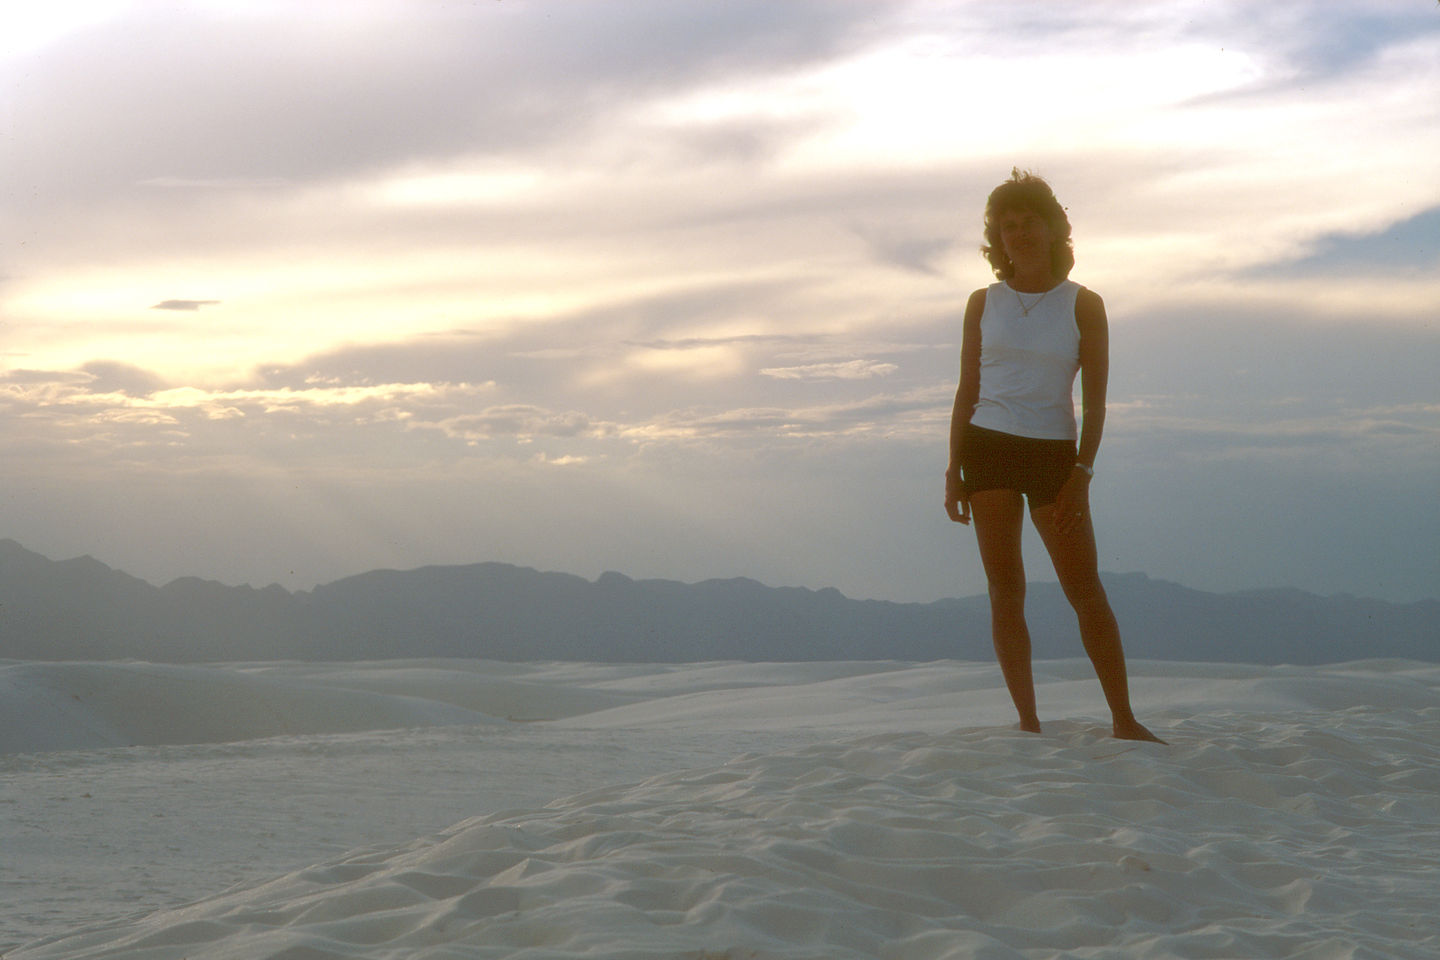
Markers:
point(1026, 238)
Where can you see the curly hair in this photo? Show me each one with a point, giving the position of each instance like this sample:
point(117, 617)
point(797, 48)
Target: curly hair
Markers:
point(1026, 191)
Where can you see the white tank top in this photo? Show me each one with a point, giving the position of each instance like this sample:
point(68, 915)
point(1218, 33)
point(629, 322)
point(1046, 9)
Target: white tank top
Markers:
point(1028, 362)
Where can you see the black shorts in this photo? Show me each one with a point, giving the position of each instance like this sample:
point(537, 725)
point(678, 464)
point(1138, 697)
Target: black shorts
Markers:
point(1003, 461)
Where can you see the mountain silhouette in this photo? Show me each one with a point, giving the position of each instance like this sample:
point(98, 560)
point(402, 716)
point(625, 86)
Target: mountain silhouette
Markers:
point(81, 609)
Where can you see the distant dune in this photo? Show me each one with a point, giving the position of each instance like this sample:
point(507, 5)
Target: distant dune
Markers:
point(67, 706)
point(82, 610)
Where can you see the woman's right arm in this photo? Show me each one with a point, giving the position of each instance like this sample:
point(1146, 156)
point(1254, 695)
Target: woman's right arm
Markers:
point(957, 504)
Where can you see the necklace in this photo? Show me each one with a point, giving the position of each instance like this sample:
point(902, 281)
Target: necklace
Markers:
point(1024, 310)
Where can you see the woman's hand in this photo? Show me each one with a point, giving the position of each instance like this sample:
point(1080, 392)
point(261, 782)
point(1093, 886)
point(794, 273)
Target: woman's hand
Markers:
point(957, 502)
point(1072, 506)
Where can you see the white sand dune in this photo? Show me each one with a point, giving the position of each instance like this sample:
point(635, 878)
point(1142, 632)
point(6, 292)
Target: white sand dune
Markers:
point(68, 706)
point(1295, 813)
point(95, 705)
point(71, 706)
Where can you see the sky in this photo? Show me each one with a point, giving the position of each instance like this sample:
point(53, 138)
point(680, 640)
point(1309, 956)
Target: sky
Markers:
point(290, 292)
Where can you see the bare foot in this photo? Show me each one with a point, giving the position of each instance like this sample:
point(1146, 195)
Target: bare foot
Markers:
point(1029, 726)
point(1134, 730)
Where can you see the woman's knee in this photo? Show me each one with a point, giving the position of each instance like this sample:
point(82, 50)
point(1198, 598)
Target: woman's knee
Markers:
point(1087, 597)
point(1007, 593)
point(1087, 600)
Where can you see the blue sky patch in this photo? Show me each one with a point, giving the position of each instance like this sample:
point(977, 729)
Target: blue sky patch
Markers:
point(1407, 246)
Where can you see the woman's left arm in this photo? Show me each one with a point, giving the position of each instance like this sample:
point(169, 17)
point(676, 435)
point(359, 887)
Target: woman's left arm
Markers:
point(1074, 501)
point(1094, 372)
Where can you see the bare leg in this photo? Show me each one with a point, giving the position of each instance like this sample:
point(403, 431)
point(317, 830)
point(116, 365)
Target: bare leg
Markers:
point(999, 520)
point(1074, 556)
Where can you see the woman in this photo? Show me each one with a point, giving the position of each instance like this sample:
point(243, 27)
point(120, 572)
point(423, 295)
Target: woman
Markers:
point(1012, 436)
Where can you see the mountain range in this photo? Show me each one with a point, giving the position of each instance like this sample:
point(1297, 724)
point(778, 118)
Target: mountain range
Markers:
point(81, 609)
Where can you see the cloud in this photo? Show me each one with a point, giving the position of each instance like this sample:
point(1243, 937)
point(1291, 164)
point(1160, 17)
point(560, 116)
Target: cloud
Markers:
point(1172, 378)
point(1350, 441)
point(112, 376)
point(521, 421)
point(183, 304)
point(281, 98)
point(921, 254)
point(84, 407)
point(24, 379)
point(315, 397)
point(715, 361)
point(226, 183)
point(565, 460)
point(915, 414)
point(847, 370)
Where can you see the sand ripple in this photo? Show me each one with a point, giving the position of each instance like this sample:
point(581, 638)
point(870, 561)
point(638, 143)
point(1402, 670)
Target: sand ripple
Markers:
point(1308, 835)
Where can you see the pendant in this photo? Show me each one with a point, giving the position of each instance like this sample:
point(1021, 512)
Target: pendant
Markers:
point(1024, 310)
